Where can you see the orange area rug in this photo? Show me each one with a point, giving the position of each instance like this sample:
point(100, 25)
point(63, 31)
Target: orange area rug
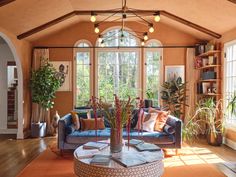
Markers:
point(49, 164)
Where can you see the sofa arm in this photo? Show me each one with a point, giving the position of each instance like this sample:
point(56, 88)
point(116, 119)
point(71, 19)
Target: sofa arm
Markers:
point(177, 124)
point(62, 124)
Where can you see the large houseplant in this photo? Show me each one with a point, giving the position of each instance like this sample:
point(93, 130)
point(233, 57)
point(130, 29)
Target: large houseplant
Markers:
point(210, 113)
point(173, 96)
point(44, 83)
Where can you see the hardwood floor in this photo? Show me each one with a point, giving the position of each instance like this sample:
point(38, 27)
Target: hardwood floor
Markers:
point(16, 154)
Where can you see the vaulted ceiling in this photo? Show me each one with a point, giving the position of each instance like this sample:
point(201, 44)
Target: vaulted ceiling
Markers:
point(21, 16)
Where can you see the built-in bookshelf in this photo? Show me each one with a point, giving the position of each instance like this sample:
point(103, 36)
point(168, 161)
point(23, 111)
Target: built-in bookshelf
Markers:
point(208, 67)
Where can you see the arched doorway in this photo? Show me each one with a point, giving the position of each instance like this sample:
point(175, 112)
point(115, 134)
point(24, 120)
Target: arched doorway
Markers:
point(12, 92)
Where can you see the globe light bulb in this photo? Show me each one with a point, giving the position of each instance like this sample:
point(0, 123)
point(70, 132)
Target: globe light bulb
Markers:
point(102, 44)
point(96, 30)
point(99, 38)
point(157, 18)
point(93, 18)
point(142, 43)
point(151, 29)
point(145, 36)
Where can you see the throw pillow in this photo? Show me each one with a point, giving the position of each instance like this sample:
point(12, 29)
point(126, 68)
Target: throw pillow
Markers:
point(89, 124)
point(169, 129)
point(75, 120)
point(161, 120)
point(148, 125)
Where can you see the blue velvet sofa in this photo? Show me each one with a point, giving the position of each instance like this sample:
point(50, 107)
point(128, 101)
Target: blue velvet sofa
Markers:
point(70, 139)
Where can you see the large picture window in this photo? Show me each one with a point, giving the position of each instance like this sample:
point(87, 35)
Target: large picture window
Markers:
point(82, 74)
point(152, 72)
point(230, 77)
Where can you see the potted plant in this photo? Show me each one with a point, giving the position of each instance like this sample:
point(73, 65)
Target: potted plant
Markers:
point(209, 112)
point(44, 83)
point(173, 96)
point(149, 101)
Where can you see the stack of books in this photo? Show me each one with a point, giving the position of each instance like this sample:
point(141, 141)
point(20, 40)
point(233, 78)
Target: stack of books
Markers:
point(95, 145)
point(101, 159)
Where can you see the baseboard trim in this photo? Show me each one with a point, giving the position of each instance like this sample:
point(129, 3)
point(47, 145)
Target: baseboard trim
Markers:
point(229, 143)
point(8, 131)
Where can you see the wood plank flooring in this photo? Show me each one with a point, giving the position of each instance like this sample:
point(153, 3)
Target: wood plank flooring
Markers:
point(16, 154)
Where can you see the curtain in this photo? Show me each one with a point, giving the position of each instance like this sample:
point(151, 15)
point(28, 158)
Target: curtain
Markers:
point(191, 76)
point(38, 113)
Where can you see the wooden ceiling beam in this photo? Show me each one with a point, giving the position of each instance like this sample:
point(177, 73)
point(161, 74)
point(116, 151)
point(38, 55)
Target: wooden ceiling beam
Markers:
point(150, 12)
point(5, 2)
point(46, 25)
point(190, 24)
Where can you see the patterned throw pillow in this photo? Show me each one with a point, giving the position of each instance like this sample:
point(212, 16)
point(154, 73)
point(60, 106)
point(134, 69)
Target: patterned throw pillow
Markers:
point(89, 124)
point(75, 120)
point(149, 123)
point(161, 119)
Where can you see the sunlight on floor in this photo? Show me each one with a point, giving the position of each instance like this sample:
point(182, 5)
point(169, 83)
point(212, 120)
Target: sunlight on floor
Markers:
point(192, 156)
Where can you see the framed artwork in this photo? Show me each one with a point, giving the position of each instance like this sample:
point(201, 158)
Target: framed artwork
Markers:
point(64, 70)
point(174, 71)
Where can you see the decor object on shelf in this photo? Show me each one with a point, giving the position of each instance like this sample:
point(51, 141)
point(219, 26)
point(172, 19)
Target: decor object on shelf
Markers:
point(118, 116)
point(173, 72)
point(63, 69)
point(44, 83)
point(121, 15)
point(173, 96)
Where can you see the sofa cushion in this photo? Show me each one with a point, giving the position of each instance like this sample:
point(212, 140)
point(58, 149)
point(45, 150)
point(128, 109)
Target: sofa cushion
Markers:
point(160, 137)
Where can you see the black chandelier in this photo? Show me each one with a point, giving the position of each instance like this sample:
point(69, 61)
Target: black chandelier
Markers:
point(122, 15)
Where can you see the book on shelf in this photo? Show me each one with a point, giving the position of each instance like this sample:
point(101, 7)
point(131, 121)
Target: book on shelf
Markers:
point(89, 153)
point(129, 159)
point(134, 142)
point(100, 159)
point(147, 147)
point(95, 145)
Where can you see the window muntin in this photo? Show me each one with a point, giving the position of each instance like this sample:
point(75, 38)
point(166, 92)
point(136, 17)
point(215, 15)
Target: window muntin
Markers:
point(230, 78)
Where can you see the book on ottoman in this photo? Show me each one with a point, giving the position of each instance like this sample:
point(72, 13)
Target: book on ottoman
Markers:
point(100, 159)
point(147, 147)
point(129, 159)
point(95, 145)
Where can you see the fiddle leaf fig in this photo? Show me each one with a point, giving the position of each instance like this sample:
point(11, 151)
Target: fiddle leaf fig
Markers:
point(44, 83)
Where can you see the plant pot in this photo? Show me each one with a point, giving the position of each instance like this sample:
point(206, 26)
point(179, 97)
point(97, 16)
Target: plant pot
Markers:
point(148, 103)
point(38, 129)
point(116, 140)
point(214, 139)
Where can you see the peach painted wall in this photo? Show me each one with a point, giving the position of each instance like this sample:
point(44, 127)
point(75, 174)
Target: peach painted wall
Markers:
point(23, 49)
point(167, 35)
point(230, 132)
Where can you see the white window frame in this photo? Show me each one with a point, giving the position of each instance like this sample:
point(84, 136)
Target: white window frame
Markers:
point(90, 50)
point(118, 49)
point(226, 45)
point(160, 50)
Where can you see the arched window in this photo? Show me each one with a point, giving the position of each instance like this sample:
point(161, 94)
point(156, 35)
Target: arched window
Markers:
point(118, 68)
point(152, 70)
point(83, 73)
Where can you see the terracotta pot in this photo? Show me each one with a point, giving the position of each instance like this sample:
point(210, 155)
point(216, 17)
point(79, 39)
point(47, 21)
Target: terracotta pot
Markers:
point(116, 140)
point(214, 139)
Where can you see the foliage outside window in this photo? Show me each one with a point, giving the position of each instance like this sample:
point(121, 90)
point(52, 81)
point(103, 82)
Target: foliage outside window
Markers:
point(230, 81)
point(82, 75)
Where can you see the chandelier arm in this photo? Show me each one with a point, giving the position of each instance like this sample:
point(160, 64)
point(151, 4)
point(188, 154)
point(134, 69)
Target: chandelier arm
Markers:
point(116, 19)
point(107, 18)
point(149, 23)
point(134, 35)
point(134, 31)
